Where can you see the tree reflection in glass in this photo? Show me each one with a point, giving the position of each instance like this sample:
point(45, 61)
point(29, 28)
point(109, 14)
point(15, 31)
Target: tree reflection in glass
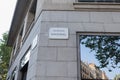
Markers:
point(100, 56)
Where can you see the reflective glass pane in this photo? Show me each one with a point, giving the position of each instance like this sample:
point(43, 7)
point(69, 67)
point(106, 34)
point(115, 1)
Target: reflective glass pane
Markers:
point(99, 56)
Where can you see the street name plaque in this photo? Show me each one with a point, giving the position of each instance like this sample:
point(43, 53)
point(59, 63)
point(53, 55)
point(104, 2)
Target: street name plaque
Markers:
point(58, 33)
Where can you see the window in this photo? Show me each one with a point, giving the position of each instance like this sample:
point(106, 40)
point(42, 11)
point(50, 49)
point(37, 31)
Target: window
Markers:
point(24, 64)
point(24, 71)
point(31, 15)
point(29, 20)
point(99, 0)
point(12, 58)
point(7, 78)
point(97, 5)
point(26, 57)
point(13, 74)
point(19, 40)
point(99, 53)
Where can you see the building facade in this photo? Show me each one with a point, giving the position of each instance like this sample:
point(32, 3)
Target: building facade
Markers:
point(90, 71)
point(117, 77)
point(86, 71)
point(44, 36)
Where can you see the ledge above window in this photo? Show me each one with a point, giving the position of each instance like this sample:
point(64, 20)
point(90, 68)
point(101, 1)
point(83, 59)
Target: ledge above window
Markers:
point(97, 6)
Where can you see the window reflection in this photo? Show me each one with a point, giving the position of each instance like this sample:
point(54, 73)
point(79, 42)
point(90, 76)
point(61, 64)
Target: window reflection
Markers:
point(100, 56)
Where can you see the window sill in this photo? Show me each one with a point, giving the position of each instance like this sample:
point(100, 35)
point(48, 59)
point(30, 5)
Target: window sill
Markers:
point(97, 6)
